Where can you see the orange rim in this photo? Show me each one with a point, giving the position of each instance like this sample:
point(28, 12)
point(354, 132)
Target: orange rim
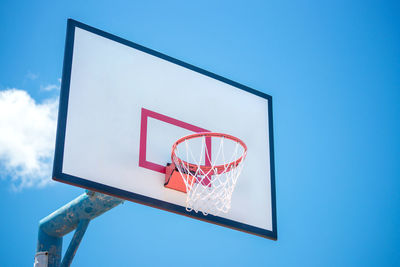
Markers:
point(220, 168)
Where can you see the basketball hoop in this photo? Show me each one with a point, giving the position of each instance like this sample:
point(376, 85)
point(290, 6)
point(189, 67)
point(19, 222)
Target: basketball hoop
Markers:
point(209, 176)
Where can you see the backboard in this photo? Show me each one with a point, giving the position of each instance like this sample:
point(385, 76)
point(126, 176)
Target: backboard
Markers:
point(122, 106)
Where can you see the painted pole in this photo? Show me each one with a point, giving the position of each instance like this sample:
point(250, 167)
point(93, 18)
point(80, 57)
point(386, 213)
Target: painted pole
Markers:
point(75, 215)
point(74, 244)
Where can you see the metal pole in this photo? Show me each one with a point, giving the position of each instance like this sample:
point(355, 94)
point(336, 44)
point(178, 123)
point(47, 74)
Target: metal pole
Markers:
point(48, 250)
point(64, 220)
point(74, 244)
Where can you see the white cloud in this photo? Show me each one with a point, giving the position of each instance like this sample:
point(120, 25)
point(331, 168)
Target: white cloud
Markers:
point(51, 87)
point(32, 76)
point(27, 138)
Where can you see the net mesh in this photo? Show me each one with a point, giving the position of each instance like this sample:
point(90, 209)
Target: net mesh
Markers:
point(210, 175)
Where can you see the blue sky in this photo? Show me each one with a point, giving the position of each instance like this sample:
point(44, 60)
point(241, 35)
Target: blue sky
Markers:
point(333, 69)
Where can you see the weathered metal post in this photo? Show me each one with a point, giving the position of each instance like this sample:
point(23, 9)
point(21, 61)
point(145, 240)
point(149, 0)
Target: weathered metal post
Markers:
point(74, 215)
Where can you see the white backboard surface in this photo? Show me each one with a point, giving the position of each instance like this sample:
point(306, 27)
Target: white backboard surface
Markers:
point(122, 107)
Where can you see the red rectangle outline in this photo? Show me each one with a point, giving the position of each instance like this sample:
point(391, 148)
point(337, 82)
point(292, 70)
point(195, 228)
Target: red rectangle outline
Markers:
point(143, 137)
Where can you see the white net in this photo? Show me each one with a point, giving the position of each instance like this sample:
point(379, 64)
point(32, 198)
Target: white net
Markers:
point(210, 165)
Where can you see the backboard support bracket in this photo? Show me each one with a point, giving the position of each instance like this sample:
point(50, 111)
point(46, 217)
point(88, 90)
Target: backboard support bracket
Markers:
point(75, 215)
point(173, 179)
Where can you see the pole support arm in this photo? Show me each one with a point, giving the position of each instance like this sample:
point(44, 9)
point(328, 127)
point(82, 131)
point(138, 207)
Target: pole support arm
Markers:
point(74, 215)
